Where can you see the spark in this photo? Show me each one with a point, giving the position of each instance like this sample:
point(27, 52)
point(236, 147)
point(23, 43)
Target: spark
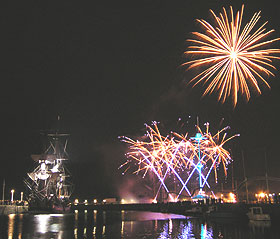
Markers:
point(236, 59)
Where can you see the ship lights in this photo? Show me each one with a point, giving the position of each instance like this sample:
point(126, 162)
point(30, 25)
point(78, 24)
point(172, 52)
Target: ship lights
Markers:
point(43, 166)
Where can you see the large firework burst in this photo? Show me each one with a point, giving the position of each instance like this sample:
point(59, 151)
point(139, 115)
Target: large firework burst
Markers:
point(236, 57)
point(177, 157)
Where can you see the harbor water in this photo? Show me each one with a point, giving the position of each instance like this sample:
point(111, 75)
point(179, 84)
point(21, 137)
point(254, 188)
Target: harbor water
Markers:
point(130, 225)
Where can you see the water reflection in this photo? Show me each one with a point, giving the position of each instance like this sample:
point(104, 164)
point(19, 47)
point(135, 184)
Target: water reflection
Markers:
point(50, 226)
point(186, 229)
point(206, 233)
point(11, 226)
point(20, 225)
point(258, 227)
point(129, 225)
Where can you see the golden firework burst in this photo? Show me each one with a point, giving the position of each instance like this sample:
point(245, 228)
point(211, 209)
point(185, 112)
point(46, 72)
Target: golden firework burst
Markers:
point(236, 58)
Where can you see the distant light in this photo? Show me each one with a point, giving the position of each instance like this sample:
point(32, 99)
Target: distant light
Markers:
point(232, 197)
point(198, 136)
point(262, 195)
point(95, 201)
point(76, 201)
point(12, 195)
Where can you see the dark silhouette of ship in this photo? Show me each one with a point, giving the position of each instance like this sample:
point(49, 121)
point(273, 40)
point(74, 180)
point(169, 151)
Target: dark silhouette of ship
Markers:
point(49, 185)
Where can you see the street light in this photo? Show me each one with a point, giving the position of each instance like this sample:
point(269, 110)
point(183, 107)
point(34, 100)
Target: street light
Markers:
point(12, 195)
point(21, 196)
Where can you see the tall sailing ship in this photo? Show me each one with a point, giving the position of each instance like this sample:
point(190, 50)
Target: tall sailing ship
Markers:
point(49, 184)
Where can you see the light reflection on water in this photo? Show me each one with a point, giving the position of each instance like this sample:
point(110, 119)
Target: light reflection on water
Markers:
point(11, 225)
point(128, 225)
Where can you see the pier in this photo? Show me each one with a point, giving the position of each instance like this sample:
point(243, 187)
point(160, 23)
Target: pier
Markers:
point(218, 210)
point(13, 209)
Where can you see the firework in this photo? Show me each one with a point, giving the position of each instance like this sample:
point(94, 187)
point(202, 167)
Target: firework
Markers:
point(207, 154)
point(236, 58)
point(156, 153)
point(176, 156)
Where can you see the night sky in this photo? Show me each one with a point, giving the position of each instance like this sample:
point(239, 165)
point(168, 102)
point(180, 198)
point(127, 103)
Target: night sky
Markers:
point(107, 68)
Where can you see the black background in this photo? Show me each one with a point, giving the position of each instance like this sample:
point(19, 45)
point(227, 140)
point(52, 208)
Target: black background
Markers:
point(107, 68)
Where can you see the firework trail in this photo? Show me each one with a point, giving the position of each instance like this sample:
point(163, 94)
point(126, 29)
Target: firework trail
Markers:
point(233, 59)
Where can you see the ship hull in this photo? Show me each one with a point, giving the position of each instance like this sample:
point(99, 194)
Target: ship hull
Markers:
point(61, 209)
point(49, 207)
